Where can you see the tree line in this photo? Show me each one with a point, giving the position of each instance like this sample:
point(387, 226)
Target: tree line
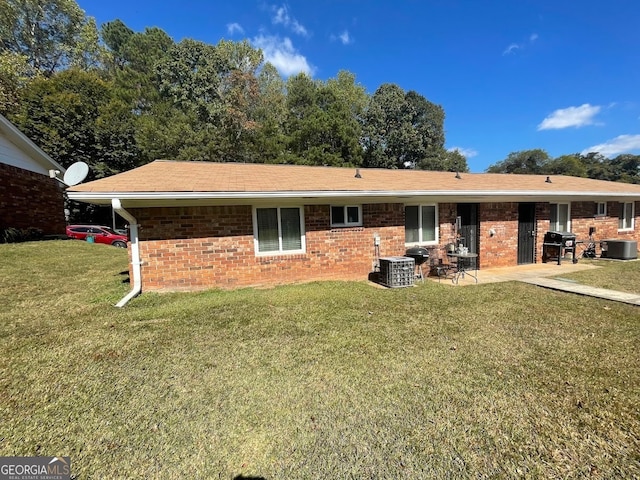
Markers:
point(116, 99)
point(622, 168)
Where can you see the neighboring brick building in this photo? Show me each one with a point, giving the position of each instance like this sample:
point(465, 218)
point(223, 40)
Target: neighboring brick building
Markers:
point(29, 197)
point(225, 225)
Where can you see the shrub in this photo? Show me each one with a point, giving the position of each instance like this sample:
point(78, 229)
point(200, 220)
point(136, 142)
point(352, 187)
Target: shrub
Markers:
point(16, 235)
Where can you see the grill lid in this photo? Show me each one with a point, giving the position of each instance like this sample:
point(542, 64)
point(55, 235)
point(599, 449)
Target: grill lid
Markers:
point(419, 254)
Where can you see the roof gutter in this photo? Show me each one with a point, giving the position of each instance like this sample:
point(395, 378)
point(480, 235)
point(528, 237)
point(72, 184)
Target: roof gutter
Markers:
point(88, 196)
point(135, 252)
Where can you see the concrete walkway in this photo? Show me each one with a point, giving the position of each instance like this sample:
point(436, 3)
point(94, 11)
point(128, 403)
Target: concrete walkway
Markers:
point(568, 286)
point(539, 273)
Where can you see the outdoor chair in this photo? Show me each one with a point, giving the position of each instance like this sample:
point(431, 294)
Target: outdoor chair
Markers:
point(442, 266)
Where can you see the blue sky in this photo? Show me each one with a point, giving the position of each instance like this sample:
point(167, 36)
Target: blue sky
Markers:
point(562, 75)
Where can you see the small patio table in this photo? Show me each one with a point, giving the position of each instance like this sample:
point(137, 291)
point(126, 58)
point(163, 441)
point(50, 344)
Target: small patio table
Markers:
point(463, 264)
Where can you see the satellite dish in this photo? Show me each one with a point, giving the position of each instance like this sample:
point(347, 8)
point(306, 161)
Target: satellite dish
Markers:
point(76, 173)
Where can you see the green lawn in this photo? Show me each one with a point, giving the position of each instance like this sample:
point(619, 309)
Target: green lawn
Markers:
point(323, 380)
point(616, 275)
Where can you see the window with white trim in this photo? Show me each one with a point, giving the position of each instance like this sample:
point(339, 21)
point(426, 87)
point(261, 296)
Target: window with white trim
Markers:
point(346, 215)
point(560, 217)
point(421, 224)
point(278, 230)
point(626, 218)
point(601, 209)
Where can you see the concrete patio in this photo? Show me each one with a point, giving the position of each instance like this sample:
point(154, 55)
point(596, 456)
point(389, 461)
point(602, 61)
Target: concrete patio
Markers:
point(538, 274)
point(518, 273)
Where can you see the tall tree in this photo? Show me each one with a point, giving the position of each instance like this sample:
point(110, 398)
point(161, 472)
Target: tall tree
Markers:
point(47, 32)
point(15, 74)
point(132, 60)
point(571, 165)
point(403, 130)
point(321, 122)
point(217, 86)
point(444, 161)
point(626, 168)
point(526, 161)
point(383, 122)
point(73, 117)
point(270, 139)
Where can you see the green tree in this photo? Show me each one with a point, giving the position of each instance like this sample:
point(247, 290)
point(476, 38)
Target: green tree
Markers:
point(132, 58)
point(526, 161)
point(271, 112)
point(403, 130)
point(571, 165)
point(444, 161)
point(47, 32)
point(383, 125)
point(116, 36)
point(322, 124)
point(217, 87)
point(73, 117)
point(87, 52)
point(15, 74)
point(626, 168)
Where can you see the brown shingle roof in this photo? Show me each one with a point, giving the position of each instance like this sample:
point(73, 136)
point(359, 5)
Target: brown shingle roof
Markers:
point(176, 176)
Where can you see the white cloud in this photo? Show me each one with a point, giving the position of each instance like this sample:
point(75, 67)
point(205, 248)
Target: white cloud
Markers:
point(281, 17)
point(570, 117)
point(466, 152)
point(234, 28)
point(616, 146)
point(511, 48)
point(281, 53)
point(345, 38)
point(518, 46)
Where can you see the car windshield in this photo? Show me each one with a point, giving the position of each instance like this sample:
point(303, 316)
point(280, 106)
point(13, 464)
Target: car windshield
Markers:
point(108, 230)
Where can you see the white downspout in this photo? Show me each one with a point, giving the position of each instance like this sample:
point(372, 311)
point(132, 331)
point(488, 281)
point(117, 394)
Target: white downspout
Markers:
point(135, 252)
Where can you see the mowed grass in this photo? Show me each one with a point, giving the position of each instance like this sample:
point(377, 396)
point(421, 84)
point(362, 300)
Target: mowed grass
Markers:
point(623, 276)
point(322, 380)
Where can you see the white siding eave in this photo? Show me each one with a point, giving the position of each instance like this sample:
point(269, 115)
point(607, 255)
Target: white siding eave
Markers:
point(18, 150)
point(141, 199)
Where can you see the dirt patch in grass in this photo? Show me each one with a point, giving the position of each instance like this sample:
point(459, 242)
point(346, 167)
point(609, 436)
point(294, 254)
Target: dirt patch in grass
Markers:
point(323, 380)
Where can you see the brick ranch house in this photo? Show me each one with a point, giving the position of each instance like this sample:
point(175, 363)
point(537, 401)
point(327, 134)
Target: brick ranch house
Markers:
point(29, 197)
point(225, 225)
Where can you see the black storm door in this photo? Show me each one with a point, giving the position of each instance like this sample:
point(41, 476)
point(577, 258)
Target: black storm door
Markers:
point(526, 233)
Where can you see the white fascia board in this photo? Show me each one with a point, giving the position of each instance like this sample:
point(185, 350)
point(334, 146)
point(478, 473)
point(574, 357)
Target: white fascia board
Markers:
point(303, 195)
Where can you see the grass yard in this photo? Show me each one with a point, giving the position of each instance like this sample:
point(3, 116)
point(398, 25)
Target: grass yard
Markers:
point(324, 380)
point(623, 276)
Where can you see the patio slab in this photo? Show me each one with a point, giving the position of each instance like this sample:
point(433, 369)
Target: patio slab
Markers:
point(539, 273)
point(518, 273)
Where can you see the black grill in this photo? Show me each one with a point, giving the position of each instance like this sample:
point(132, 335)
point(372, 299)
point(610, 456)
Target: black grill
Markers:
point(558, 244)
point(419, 254)
point(566, 239)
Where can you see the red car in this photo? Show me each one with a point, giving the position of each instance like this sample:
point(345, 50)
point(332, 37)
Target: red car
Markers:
point(100, 235)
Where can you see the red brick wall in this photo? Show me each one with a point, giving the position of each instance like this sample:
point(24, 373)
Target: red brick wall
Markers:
point(212, 247)
point(501, 249)
point(29, 199)
point(583, 216)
